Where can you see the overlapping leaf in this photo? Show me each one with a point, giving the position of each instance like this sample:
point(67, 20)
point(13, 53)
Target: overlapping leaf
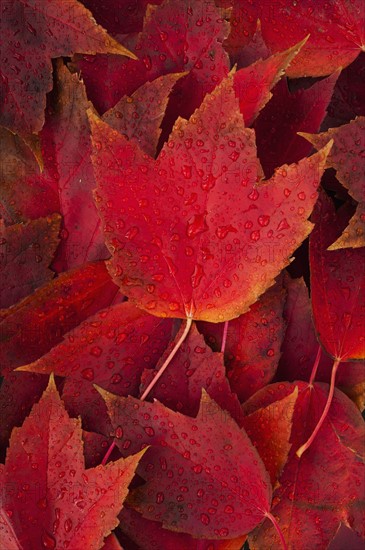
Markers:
point(337, 287)
point(315, 494)
point(347, 158)
point(33, 32)
point(187, 487)
point(188, 231)
point(336, 31)
point(177, 36)
point(26, 252)
point(44, 463)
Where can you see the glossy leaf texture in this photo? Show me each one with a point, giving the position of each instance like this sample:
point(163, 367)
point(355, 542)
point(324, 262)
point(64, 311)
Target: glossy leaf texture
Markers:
point(316, 493)
point(192, 249)
point(347, 158)
point(44, 463)
point(336, 31)
point(110, 349)
point(177, 36)
point(27, 250)
point(48, 30)
point(187, 487)
point(337, 286)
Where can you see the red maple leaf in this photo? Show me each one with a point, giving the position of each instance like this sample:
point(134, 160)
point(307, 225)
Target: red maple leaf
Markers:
point(45, 464)
point(315, 491)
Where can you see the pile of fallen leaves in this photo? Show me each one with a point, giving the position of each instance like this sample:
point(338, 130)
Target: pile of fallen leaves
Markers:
point(182, 275)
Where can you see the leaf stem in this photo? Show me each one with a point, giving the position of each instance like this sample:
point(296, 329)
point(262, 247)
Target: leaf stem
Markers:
point(315, 366)
point(107, 454)
point(309, 442)
point(189, 322)
point(278, 530)
point(168, 360)
point(224, 337)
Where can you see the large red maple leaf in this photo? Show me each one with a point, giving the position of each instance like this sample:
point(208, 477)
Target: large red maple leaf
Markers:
point(189, 231)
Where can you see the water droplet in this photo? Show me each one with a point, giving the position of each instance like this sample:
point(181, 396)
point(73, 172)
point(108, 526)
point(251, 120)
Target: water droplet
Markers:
point(283, 225)
point(264, 220)
point(197, 276)
point(229, 509)
point(149, 431)
point(88, 374)
point(255, 235)
point(119, 432)
point(205, 519)
point(254, 195)
point(196, 225)
point(160, 497)
point(48, 541)
point(67, 525)
point(223, 230)
point(186, 171)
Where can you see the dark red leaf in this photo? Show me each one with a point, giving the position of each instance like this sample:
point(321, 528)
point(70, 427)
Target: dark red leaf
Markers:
point(252, 348)
point(316, 492)
point(348, 159)
point(33, 32)
point(337, 287)
point(203, 475)
point(300, 347)
point(285, 115)
point(26, 252)
point(194, 367)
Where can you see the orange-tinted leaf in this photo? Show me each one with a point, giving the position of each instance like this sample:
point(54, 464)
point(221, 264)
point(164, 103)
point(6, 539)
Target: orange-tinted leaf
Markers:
point(139, 117)
point(110, 349)
point(195, 366)
point(337, 287)
point(347, 158)
point(111, 543)
point(27, 251)
point(253, 84)
point(336, 31)
point(316, 492)
point(188, 231)
point(35, 31)
point(44, 464)
point(252, 348)
point(269, 429)
point(285, 115)
point(206, 463)
point(36, 193)
point(33, 326)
